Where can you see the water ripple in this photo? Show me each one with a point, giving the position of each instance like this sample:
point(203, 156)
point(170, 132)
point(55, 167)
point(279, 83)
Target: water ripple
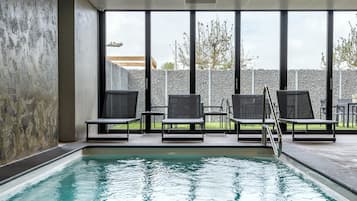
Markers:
point(176, 178)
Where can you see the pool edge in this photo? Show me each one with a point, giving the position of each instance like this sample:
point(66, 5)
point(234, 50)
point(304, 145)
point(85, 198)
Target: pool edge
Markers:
point(318, 175)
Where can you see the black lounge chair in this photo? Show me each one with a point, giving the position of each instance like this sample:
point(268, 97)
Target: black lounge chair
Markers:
point(248, 109)
point(184, 109)
point(119, 108)
point(295, 108)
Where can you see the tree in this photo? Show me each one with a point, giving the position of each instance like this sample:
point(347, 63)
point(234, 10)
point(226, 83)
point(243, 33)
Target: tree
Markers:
point(168, 66)
point(347, 47)
point(345, 52)
point(214, 47)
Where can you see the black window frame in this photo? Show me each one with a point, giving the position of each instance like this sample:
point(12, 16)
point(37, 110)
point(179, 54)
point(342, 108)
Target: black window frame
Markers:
point(283, 79)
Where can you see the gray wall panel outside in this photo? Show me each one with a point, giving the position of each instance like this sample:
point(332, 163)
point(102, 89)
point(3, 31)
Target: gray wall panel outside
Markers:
point(116, 77)
point(223, 84)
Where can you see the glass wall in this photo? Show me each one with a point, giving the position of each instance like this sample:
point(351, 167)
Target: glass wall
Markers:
point(307, 43)
point(345, 70)
point(260, 41)
point(260, 53)
point(215, 62)
point(170, 46)
point(125, 49)
point(215, 46)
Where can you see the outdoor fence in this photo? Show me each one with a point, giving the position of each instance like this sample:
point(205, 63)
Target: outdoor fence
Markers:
point(219, 84)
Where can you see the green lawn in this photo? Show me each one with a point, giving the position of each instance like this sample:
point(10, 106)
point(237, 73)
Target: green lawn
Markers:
point(216, 125)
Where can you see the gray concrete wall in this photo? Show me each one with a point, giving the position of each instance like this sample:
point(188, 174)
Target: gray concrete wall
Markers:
point(86, 65)
point(222, 84)
point(78, 67)
point(116, 77)
point(28, 77)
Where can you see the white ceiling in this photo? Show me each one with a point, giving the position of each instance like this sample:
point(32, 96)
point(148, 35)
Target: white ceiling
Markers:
point(226, 5)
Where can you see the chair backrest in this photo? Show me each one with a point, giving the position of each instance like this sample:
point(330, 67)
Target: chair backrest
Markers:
point(120, 104)
point(248, 106)
point(295, 104)
point(184, 106)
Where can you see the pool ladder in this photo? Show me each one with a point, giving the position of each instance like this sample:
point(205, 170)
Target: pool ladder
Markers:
point(266, 130)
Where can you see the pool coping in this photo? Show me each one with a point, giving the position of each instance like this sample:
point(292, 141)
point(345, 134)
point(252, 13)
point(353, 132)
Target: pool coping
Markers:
point(314, 162)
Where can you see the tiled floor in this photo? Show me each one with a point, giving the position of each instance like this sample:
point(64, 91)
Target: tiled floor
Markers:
point(337, 161)
point(343, 152)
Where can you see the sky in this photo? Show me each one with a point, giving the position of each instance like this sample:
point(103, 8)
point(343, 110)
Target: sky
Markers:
point(307, 33)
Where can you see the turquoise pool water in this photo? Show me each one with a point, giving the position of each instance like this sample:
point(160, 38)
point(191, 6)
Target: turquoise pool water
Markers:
point(170, 178)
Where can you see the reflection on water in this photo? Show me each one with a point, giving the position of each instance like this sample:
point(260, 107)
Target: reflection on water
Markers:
point(170, 178)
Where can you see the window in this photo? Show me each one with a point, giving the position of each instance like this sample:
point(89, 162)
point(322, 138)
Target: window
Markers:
point(260, 51)
point(125, 49)
point(345, 69)
point(259, 54)
point(307, 43)
point(170, 70)
point(215, 62)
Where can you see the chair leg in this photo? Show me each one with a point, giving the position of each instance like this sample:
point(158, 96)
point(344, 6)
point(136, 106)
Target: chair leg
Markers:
point(229, 123)
point(204, 119)
point(154, 120)
point(334, 132)
point(293, 131)
point(127, 131)
point(202, 131)
point(225, 125)
point(204, 128)
point(141, 124)
point(238, 130)
point(87, 133)
point(162, 132)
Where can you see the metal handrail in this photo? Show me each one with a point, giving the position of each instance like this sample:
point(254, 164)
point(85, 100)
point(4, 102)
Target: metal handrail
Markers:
point(277, 148)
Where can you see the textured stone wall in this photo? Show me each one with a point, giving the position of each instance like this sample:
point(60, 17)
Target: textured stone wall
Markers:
point(136, 81)
point(158, 87)
point(28, 77)
point(86, 65)
point(222, 85)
